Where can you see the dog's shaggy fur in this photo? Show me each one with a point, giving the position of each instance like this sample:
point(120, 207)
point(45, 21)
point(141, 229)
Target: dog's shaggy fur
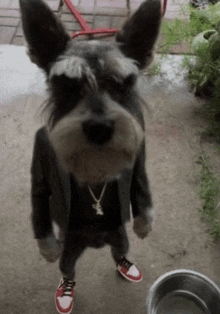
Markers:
point(95, 132)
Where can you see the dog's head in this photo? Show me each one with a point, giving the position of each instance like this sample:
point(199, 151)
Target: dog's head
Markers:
point(95, 126)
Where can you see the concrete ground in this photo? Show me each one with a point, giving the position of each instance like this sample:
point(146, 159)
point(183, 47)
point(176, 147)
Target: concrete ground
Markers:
point(179, 238)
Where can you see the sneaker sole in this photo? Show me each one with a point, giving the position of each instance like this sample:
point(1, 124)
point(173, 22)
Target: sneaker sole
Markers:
point(129, 279)
point(62, 312)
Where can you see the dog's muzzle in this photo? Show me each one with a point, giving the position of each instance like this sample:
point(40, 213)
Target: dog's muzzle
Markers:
point(97, 149)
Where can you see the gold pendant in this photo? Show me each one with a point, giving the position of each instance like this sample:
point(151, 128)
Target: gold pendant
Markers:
point(98, 208)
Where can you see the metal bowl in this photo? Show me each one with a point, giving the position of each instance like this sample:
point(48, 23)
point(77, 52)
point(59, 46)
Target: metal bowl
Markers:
point(183, 292)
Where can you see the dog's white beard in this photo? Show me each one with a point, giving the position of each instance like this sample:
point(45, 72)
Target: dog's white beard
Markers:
point(93, 163)
point(94, 166)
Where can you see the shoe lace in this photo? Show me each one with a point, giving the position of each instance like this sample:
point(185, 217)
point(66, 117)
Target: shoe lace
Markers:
point(67, 287)
point(125, 263)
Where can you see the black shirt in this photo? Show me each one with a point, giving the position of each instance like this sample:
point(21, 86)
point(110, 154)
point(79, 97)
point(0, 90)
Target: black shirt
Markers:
point(84, 216)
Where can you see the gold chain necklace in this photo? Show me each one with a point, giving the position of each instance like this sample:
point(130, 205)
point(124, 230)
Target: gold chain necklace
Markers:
point(98, 206)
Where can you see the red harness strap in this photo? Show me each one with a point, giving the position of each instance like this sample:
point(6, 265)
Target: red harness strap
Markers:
point(86, 30)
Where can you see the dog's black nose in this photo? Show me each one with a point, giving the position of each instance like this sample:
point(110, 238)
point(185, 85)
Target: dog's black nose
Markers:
point(98, 132)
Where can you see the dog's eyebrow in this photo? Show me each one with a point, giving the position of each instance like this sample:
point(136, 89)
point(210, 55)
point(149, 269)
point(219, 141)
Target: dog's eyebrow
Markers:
point(118, 65)
point(73, 67)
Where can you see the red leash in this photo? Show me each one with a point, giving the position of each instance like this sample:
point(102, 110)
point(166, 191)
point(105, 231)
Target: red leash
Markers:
point(86, 30)
point(164, 7)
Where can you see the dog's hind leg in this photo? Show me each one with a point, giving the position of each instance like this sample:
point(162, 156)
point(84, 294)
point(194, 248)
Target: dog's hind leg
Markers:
point(119, 243)
point(73, 249)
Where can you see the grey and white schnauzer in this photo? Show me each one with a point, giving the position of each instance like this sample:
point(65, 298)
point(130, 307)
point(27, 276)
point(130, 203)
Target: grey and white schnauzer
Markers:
point(88, 167)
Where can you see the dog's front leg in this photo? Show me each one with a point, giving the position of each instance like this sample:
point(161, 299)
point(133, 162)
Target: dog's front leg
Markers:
point(50, 248)
point(141, 201)
point(143, 224)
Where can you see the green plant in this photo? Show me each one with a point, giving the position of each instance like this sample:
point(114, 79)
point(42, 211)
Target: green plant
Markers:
point(185, 29)
point(204, 74)
point(209, 193)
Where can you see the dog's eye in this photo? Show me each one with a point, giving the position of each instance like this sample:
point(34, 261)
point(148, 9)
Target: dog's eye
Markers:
point(119, 84)
point(115, 85)
point(66, 86)
point(130, 80)
point(119, 87)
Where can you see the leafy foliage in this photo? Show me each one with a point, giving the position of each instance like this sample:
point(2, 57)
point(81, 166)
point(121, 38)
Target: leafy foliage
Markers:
point(210, 188)
point(204, 74)
point(184, 30)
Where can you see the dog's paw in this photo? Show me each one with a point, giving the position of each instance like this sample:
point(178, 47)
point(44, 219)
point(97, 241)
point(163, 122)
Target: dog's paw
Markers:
point(143, 224)
point(50, 248)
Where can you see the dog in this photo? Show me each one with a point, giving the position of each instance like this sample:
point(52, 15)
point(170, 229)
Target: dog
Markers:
point(88, 168)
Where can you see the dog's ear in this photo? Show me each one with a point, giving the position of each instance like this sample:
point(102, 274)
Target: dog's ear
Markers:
point(45, 35)
point(139, 33)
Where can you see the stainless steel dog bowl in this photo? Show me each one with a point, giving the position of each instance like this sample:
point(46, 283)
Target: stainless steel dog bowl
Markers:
point(183, 292)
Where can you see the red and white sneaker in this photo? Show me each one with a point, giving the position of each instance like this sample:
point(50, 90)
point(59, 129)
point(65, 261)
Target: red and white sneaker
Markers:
point(64, 296)
point(129, 270)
